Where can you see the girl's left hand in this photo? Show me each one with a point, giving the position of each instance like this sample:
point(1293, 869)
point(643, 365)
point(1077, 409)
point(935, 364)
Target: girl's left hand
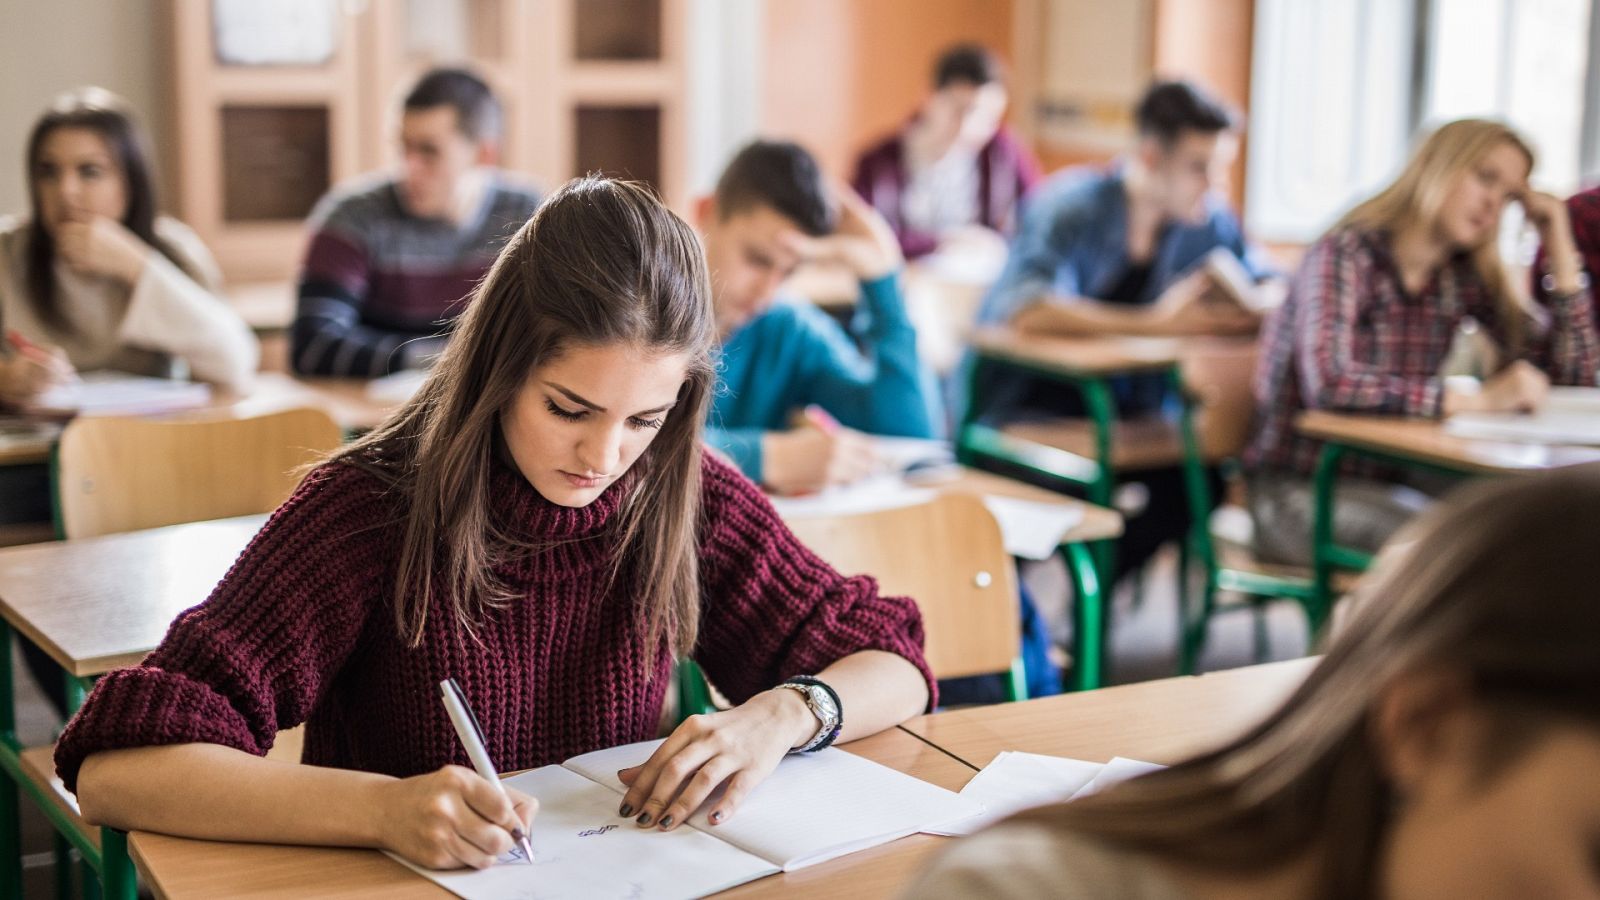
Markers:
point(103, 247)
point(738, 748)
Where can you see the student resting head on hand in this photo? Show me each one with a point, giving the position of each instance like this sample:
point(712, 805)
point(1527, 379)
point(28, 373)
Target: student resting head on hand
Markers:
point(1445, 747)
point(540, 524)
point(93, 277)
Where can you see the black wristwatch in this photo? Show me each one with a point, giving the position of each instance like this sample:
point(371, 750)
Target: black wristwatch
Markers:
point(824, 704)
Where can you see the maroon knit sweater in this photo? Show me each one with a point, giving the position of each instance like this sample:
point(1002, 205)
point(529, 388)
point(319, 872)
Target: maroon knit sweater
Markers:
point(302, 629)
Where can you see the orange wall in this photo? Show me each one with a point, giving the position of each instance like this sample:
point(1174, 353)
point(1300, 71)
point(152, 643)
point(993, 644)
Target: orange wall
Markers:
point(1209, 41)
point(838, 74)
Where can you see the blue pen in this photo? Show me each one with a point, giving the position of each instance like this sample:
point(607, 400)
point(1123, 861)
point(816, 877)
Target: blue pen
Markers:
point(471, 735)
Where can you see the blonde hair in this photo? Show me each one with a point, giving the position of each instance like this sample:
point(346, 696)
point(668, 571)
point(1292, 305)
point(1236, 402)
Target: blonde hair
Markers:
point(1496, 584)
point(1444, 157)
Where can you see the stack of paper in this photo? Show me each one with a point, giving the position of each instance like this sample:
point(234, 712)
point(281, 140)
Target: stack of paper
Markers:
point(1571, 416)
point(121, 393)
point(1017, 781)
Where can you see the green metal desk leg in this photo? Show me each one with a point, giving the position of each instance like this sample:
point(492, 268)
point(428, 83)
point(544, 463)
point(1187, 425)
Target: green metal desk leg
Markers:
point(10, 827)
point(1089, 617)
point(117, 874)
point(1322, 546)
point(1197, 488)
point(1103, 412)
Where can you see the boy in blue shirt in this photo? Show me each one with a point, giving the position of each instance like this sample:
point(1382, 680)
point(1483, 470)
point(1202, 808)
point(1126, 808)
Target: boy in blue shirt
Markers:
point(1120, 250)
point(784, 358)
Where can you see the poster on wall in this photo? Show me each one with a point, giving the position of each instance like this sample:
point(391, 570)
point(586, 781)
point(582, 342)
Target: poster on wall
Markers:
point(1097, 63)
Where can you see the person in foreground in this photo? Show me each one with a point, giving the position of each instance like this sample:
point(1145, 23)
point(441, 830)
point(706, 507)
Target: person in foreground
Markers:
point(539, 523)
point(1445, 747)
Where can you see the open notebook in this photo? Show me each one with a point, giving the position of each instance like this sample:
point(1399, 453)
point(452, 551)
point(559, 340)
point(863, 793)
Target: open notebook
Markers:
point(1570, 416)
point(118, 392)
point(811, 809)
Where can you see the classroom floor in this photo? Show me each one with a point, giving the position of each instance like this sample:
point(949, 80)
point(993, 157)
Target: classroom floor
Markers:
point(1143, 639)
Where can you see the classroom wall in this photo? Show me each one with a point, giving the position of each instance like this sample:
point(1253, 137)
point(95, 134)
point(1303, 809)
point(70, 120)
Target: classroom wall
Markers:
point(52, 46)
point(839, 74)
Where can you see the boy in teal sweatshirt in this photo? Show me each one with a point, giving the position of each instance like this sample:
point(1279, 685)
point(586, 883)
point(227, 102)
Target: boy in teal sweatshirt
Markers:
point(784, 359)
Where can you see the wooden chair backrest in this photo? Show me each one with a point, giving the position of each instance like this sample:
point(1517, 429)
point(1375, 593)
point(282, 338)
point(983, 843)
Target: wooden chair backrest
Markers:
point(946, 554)
point(123, 473)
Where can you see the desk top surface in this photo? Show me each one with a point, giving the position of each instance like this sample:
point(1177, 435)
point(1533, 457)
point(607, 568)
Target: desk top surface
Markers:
point(180, 869)
point(1157, 721)
point(1425, 440)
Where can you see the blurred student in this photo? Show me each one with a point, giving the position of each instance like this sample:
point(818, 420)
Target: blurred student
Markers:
point(93, 278)
point(1120, 250)
point(1371, 317)
point(393, 256)
point(1445, 747)
point(954, 169)
point(784, 359)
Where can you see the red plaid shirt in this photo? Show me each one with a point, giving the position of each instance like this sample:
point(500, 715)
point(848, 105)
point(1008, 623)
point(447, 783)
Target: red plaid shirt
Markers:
point(1348, 338)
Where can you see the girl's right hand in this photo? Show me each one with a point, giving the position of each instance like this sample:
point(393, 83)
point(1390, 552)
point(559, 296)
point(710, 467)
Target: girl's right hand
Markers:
point(24, 375)
point(451, 818)
point(1519, 387)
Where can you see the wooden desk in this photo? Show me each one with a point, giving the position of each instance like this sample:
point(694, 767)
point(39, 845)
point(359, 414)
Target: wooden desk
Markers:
point(1406, 442)
point(1159, 721)
point(180, 869)
point(1079, 357)
point(102, 603)
point(1425, 441)
point(345, 399)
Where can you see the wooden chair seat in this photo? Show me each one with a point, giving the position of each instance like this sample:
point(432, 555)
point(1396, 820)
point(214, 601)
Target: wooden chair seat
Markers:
point(39, 765)
point(1231, 535)
point(1136, 444)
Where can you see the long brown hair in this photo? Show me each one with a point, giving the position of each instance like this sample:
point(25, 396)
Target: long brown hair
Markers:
point(601, 263)
point(109, 116)
point(1497, 584)
point(1444, 157)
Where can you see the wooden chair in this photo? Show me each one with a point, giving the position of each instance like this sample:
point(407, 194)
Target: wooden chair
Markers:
point(118, 473)
point(123, 474)
point(949, 556)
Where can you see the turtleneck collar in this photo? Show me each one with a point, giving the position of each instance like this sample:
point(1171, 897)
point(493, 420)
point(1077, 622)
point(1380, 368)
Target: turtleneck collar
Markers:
point(536, 518)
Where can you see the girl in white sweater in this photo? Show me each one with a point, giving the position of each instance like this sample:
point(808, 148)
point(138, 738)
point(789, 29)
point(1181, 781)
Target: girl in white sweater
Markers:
point(94, 279)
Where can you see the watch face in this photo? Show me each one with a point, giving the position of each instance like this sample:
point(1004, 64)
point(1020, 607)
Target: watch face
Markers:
point(823, 703)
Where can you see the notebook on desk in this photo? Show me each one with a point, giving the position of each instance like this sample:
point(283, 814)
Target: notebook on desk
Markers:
point(1570, 416)
point(811, 809)
point(108, 392)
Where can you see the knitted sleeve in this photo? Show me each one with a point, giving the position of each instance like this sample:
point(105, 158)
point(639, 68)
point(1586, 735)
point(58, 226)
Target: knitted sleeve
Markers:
point(260, 652)
point(771, 608)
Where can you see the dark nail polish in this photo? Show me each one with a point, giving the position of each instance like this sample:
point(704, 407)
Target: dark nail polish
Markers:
point(626, 810)
point(667, 822)
point(644, 818)
point(716, 817)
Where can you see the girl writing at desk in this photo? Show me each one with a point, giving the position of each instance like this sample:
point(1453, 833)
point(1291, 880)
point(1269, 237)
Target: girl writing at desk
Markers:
point(539, 523)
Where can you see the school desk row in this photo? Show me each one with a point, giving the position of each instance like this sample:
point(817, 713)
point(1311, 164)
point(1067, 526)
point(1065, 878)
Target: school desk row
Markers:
point(1159, 721)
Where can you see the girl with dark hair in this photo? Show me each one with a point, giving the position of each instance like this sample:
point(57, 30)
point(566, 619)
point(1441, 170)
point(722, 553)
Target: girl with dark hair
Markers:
point(94, 279)
point(539, 523)
point(1445, 747)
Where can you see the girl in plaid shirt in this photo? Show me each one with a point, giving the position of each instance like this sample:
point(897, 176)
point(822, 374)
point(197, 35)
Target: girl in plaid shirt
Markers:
point(1371, 316)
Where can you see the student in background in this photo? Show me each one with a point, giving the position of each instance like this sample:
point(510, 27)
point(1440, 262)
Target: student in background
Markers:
point(94, 278)
point(1445, 747)
point(1118, 251)
point(1371, 316)
point(954, 167)
point(392, 257)
point(539, 523)
point(783, 356)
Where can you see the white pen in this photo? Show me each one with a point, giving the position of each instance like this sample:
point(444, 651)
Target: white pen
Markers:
point(471, 735)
